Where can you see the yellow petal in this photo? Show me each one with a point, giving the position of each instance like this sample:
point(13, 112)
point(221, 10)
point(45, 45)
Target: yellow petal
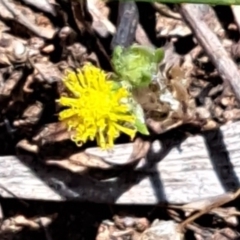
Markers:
point(128, 131)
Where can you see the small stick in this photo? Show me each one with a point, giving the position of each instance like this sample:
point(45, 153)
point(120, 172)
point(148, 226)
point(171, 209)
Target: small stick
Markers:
point(165, 11)
point(227, 69)
point(14, 195)
point(219, 202)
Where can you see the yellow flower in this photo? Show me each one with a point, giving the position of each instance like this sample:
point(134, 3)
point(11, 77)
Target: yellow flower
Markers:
point(95, 110)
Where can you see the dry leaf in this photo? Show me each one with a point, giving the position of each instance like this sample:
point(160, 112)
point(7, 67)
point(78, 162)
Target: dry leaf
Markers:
point(140, 149)
point(26, 145)
point(88, 160)
point(104, 232)
point(162, 230)
point(123, 222)
point(53, 132)
point(100, 13)
point(225, 234)
point(18, 222)
point(46, 71)
point(31, 115)
point(231, 115)
point(80, 162)
point(161, 127)
point(167, 103)
point(122, 154)
point(210, 125)
point(10, 84)
point(168, 26)
point(68, 165)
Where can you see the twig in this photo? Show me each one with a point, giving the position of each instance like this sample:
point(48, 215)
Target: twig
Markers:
point(165, 11)
point(213, 47)
point(14, 195)
point(24, 21)
point(219, 202)
point(193, 227)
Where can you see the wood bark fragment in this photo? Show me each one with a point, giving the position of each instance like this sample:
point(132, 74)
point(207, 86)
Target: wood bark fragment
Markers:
point(42, 5)
point(17, 15)
point(201, 167)
point(227, 69)
point(128, 18)
point(236, 14)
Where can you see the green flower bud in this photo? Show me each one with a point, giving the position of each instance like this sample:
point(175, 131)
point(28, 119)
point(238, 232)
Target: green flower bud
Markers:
point(136, 64)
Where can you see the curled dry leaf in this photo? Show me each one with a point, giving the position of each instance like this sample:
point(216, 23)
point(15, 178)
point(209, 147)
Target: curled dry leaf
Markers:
point(210, 125)
point(18, 222)
point(10, 84)
point(89, 160)
point(46, 71)
point(77, 52)
point(123, 222)
point(162, 230)
point(52, 132)
point(27, 146)
point(68, 165)
point(166, 102)
point(229, 214)
point(80, 163)
point(171, 25)
point(122, 154)
point(104, 231)
point(100, 12)
point(225, 234)
point(31, 115)
point(229, 101)
point(48, 49)
point(231, 115)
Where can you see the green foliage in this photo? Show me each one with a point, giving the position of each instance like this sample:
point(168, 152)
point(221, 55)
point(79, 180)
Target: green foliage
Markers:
point(136, 64)
point(140, 121)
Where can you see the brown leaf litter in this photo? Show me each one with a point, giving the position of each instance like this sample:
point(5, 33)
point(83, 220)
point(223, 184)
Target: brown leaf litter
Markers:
point(194, 89)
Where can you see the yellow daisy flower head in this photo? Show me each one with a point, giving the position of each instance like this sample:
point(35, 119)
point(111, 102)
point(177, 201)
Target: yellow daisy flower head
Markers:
point(96, 109)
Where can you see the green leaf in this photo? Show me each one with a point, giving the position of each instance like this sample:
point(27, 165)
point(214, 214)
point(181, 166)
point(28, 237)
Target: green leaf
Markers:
point(159, 55)
point(141, 127)
point(140, 119)
point(116, 85)
point(136, 64)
